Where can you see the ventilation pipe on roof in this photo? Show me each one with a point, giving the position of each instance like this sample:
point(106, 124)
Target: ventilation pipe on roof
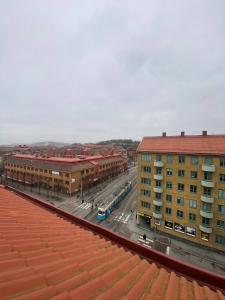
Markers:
point(204, 132)
point(164, 134)
point(182, 133)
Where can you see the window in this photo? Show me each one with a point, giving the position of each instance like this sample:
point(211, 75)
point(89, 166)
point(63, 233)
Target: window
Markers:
point(145, 180)
point(193, 188)
point(181, 159)
point(145, 193)
point(145, 204)
point(168, 210)
point(157, 209)
point(220, 224)
point(180, 187)
point(169, 185)
point(169, 158)
point(158, 183)
point(169, 198)
point(206, 191)
point(206, 207)
point(181, 173)
point(221, 209)
point(169, 172)
point(222, 161)
point(158, 196)
point(145, 169)
point(221, 194)
point(222, 177)
point(207, 176)
point(180, 213)
point(158, 157)
point(205, 221)
point(220, 239)
point(180, 201)
point(192, 203)
point(67, 182)
point(194, 160)
point(194, 174)
point(146, 156)
point(208, 160)
point(158, 171)
point(192, 217)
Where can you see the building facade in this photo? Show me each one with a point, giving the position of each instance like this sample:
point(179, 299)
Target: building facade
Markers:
point(181, 187)
point(62, 174)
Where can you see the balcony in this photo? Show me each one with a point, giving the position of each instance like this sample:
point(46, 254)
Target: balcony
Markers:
point(206, 199)
point(208, 168)
point(158, 177)
point(207, 183)
point(158, 189)
point(157, 202)
point(206, 214)
point(205, 228)
point(157, 215)
point(158, 163)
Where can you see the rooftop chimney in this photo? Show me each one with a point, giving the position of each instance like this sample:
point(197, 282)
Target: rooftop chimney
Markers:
point(182, 133)
point(164, 134)
point(204, 132)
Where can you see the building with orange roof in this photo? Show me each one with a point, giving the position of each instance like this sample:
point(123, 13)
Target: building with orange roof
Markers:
point(47, 253)
point(181, 186)
point(62, 174)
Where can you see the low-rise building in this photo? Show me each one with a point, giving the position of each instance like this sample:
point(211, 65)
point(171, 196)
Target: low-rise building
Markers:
point(63, 174)
point(181, 186)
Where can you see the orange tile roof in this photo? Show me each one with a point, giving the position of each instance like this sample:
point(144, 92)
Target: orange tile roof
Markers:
point(64, 159)
point(196, 144)
point(46, 256)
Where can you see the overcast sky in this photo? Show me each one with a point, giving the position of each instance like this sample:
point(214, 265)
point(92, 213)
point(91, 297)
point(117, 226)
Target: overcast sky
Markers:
point(84, 71)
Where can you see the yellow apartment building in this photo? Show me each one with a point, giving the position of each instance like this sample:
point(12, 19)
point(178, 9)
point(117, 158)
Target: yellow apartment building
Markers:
point(63, 174)
point(181, 186)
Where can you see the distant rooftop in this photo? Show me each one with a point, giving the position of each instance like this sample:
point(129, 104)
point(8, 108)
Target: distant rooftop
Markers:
point(190, 144)
point(69, 160)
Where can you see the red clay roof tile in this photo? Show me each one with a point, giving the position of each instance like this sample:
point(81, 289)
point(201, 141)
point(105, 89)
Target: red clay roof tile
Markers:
point(198, 144)
point(45, 257)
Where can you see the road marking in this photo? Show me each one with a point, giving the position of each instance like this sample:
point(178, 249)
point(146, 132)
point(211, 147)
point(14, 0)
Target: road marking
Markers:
point(127, 218)
point(85, 205)
point(123, 218)
point(168, 250)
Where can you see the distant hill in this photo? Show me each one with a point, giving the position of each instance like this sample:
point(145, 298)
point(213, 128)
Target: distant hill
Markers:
point(125, 143)
point(49, 144)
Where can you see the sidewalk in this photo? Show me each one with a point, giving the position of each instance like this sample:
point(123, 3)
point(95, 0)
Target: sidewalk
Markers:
point(182, 250)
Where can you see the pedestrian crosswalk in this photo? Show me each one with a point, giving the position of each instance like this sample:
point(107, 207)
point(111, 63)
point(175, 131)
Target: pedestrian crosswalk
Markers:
point(85, 205)
point(122, 218)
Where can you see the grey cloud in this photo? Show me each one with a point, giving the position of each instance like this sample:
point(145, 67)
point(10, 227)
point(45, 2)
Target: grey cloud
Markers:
point(94, 70)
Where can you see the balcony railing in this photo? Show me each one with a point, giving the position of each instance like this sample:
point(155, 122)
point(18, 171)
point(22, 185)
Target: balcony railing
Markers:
point(206, 213)
point(206, 198)
point(158, 163)
point(158, 177)
point(207, 183)
point(157, 202)
point(208, 168)
point(158, 189)
point(157, 215)
point(205, 228)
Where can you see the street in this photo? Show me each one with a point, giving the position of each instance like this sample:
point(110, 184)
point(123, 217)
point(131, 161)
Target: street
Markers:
point(122, 220)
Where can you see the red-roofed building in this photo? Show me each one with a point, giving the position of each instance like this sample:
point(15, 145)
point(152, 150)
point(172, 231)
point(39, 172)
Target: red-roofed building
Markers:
point(47, 253)
point(181, 186)
point(64, 174)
